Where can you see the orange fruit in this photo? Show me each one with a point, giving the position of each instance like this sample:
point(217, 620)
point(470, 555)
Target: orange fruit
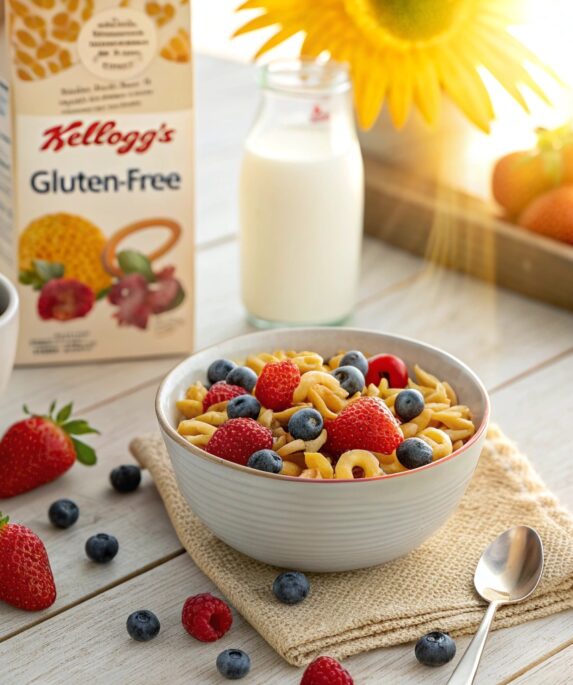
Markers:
point(551, 214)
point(518, 178)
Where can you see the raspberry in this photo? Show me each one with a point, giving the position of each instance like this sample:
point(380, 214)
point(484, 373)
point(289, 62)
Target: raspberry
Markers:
point(64, 299)
point(366, 424)
point(205, 617)
point(221, 392)
point(326, 671)
point(276, 385)
point(237, 439)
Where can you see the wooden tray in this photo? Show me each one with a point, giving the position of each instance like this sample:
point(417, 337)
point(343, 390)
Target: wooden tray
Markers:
point(461, 232)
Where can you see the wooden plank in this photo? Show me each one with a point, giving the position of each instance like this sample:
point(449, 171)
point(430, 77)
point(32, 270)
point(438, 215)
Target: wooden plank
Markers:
point(536, 411)
point(497, 333)
point(68, 654)
point(138, 521)
point(557, 670)
point(460, 232)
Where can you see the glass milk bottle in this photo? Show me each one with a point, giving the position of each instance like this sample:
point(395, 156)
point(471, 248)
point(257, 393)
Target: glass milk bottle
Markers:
point(301, 198)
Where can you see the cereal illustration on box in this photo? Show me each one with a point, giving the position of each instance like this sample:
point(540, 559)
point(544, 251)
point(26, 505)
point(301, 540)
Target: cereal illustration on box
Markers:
point(67, 259)
point(97, 131)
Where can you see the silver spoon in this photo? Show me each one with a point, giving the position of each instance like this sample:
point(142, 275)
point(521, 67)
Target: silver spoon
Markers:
point(508, 571)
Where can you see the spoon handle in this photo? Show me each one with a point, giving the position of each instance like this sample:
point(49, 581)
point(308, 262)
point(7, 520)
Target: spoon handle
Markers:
point(467, 668)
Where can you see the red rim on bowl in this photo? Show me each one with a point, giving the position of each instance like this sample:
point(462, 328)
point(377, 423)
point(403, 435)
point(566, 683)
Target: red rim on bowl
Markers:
point(198, 452)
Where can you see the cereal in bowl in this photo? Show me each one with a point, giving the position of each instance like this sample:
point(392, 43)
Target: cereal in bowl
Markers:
point(348, 417)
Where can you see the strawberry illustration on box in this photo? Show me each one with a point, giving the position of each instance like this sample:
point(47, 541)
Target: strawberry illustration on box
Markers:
point(67, 259)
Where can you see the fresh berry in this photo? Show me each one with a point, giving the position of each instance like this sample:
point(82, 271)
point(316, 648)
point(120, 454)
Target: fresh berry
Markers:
point(435, 649)
point(63, 513)
point(125, 478)
point(27, 580)
point(221, 392)
point(233, 664)
point(64, 299)
point(326, 671)
point(305, 424)
point(413, 453)
point(291, 587)
point(366, 424)
point(409, 404)
point(389, 367)
point(276, 385)
point(357, 359)
point(205, 617)
point(39, 449)
point(266, 460)
point(219, 370)
point(143, 625)
point(237, 439)
point(102, 548)
point(350, 378)
point(243, 377)
point(244, 406)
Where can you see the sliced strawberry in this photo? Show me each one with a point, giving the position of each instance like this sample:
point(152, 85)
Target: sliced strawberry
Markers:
point(237, 439)
point(366, 424)
point(276, 385)
point(221, 392)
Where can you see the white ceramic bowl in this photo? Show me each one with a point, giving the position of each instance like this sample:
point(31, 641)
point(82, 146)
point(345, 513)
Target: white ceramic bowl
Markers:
point(9, 305)
point(322, 525)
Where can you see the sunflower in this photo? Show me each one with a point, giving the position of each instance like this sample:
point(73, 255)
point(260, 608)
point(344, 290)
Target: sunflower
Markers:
point(410, 51)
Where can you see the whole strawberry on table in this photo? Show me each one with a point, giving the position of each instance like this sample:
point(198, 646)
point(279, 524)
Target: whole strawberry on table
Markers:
point(41, 448)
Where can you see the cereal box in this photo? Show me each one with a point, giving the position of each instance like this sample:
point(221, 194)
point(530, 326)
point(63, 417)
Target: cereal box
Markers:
point(96, 176)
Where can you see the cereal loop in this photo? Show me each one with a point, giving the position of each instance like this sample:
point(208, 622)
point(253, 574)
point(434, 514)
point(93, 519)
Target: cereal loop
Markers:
point(361, 458)
point(315, 460)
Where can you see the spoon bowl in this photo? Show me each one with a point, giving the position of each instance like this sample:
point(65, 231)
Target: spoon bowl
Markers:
point(511, 566)
point(509, 570)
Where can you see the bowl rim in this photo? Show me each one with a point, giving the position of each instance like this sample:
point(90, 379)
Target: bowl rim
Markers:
point(172, 433)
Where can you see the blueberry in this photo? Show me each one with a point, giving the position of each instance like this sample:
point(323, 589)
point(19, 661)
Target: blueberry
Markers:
point(63, 513)
point(233, 664)
point(243, 406)
point(409, 404)
point(435, 649)
point(243, 377)
point(143, 625)
point(102, 548)
point(414, 452)
point(305, 424)
point(291, 587)
point(125, 478)
point(219, 370)
point(350, 378)
point(265, 460)
point(357, 359)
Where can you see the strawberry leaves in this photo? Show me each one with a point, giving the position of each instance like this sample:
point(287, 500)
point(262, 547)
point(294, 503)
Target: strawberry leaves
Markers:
point(84, 453)
point(41, 272)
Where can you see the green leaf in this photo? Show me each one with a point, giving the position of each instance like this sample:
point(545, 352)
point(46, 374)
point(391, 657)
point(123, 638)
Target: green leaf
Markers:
point(48, 270)
point(64, 413)
point(52, 408)
point(78, 427)
point(85, 454)
point(103, 293)
point(3, 519)
point(131, 262)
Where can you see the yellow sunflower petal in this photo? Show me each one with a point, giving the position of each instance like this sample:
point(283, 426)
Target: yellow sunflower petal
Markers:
point(401, 87)
point(427, 91)
point(277, 39)
point(370, 78)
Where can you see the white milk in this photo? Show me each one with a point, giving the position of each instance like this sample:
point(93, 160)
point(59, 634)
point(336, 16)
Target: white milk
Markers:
point(301, 212)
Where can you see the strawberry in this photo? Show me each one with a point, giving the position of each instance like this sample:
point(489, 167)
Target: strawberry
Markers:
point(366, 424)
point(39, 449)
point(27, 580)
point(276, 385)
point(221, 392)
point(237, 439)
point(64, 299)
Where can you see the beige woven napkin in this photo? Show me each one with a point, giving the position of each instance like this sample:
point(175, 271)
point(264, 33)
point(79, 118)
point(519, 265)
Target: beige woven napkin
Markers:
point(429, 589)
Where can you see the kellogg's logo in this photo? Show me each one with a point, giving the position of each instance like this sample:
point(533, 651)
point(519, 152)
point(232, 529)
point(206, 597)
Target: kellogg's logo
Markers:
point(99, 133)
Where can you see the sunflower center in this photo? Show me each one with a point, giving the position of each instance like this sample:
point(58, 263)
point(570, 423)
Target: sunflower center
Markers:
point(409, 20)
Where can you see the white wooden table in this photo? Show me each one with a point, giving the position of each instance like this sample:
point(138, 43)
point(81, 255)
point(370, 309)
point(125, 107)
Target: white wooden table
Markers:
point(523, 350)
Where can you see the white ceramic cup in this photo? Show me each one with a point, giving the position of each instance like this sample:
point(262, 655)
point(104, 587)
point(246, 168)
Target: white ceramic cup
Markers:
point(9, 306)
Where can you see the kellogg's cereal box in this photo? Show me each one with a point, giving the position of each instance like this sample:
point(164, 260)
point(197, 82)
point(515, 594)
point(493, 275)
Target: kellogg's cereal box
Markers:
point(96, 176)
